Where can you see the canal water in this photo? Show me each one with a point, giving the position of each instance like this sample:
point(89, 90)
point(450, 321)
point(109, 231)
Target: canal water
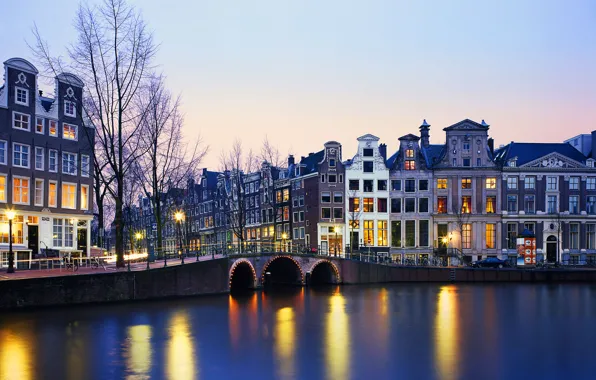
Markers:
point(413, 331)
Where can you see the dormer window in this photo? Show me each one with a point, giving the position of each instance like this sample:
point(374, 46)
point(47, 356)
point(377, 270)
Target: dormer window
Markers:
point(367, 152)
point(332, 162)
point(410, 165)
point(21, 96)
point(409, 153)
point(512, 163)
point(70, 109)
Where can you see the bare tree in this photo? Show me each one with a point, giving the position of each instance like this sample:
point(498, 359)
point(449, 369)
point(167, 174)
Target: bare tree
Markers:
point(354, 213)
point(112, 55)
point(235, 165)
point(168, 161)
point(462, 218)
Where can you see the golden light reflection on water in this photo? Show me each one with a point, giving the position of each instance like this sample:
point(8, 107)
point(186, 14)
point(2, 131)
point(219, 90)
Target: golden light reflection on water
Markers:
point(76, 356)
point(446, 333)
point(234, 321)
point(337, 339)
point(138, 352)
point(180, 351)
point(16, 355)
point(285, 342)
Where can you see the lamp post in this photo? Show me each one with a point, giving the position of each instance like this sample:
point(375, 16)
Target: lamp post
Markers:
point(10, 214)
point(284, 236)
point(179, 216)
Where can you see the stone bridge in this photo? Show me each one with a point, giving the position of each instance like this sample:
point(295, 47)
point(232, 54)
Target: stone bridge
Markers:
point(266, 269)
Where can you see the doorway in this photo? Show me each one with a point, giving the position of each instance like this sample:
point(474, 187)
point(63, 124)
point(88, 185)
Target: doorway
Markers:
point(82, 241)
point(33, 239)
point(354, 240)
point(551, 249)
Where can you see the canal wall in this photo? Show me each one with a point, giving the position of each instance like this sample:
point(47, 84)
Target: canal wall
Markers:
point(195, 278)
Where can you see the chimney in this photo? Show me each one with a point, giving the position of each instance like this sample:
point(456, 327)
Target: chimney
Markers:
point(424, 134)
point(40, 93)
point(383, 151)
point(290, 160)
point(491, 145)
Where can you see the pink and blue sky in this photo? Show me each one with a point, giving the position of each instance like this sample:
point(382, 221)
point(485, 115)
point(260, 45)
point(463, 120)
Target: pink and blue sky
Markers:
point(307, 71)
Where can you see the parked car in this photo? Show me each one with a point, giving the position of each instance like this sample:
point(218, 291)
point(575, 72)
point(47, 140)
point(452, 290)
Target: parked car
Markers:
point(490, 262)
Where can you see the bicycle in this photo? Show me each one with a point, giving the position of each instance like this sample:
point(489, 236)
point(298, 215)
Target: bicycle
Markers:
point(69, 263)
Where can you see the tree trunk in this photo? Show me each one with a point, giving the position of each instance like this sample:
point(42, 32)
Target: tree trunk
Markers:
point(119, 225)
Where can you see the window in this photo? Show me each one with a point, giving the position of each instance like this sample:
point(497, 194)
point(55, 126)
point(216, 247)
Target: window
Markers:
point(368, 166)
point(466, 239)
point(368, 186)
point(69, 195)
point(491, 183)
point(295, 216)
point(17, 229)
point(441, 183)
point(69, 163)
point(396, 185)
point(286, 194)
point(511, 235)
point(38, 192)
point(574, 183)
point(466, 146)
point(332, 178)
point(332, 162)
point(53, 128)
point(325, 197)
point(326, 212)
point(551, 204)
point(382, 233)
point(591, 183)
point(423, 233)
point(574, 204)
point(529, 204)
point(381, 204)
point(286, 213)
point(338, 197)
point(396, 233)
point(491, 204)
point(423, 185)
point(466, 183)
point(2, 187)
point(341, 178)
point(368, 205)
point(409, 153)
point(20, 121)
point(511, 203)
point(551, 183)
point(466, 204)
point(57, 232)
point(591, 236)
point(354, 205)
point(84, 197)
point(490, 236)
point(20, 155)
point(455, 162)
point(530, 183)
point(410, 185)
point(68, 233)
point(354, 184)
point(70, 109)
point(381, 185)
point(530, 226)
point(410, 205)
point(396, 205)
point(479, 162)
point(20, 190)
point(466, 162)
point(39, 125)
point(410, 233)
point(573, 236)
point(512, 183)
point(39, 158)
point(3, 153)
point(21, 96)
point(53, 161)
point(423, 205)
point(441, 205)
point(367, 152)
point(410, 165)
point(369, 232)
point(591, 205)
point(322, 178)
point(52, 194)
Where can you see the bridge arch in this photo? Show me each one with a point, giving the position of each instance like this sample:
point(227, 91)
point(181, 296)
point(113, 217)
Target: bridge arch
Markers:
point(242, 275)
point(282, 270)
point(324, 272)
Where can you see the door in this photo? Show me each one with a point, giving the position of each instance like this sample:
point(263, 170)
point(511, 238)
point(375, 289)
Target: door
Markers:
point(324, 247)
point(355, 239)
point(33, 239)
point(551, 249)
point(82, 240)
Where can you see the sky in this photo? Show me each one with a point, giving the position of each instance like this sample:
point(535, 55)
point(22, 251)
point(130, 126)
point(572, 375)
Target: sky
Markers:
point(303, 72)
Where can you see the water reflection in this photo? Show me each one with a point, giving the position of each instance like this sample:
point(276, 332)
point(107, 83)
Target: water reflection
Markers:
point(138, 352)
point(16, 353)
point(447, 333)
point(285, 342)
point(180, 350)
point(76, 356)
point(337, 339)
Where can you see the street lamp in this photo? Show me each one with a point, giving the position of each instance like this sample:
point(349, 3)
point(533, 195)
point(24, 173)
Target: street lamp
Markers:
point(284, 236)
point(10, 214)
point(179, 216)
point(336, 230)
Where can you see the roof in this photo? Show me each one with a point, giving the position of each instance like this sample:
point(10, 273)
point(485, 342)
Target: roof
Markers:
point(433, 153)
point(409, 136)
point(311, 162)
point(391, 160)
point(21, 64)
point(528, 152)
point(70, 79)
point(467, 124)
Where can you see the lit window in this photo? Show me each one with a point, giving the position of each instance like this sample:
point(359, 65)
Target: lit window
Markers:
point(354, 205)
point(491, 234)
point(38, 192)
point(491, 183)
point(69, 108)
point(368, 205)
point(382, 233)
point(69, 163)
point(52, 194)
point(20, 155)
point(2, 187)
point(21, 96)
point(491, 204)
point(20, 190)
point(409, 153)
point(69, 131)
point(38, 158)
point(466, 238)
point(369, 232)
point(17, 229)
point(410, 165)
point(441, 183)
point(53, 128)
point(69, 195)
point(442, 205)
point(39, 125)
point(466, 183)
point(20, 121)
point(466, 205)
